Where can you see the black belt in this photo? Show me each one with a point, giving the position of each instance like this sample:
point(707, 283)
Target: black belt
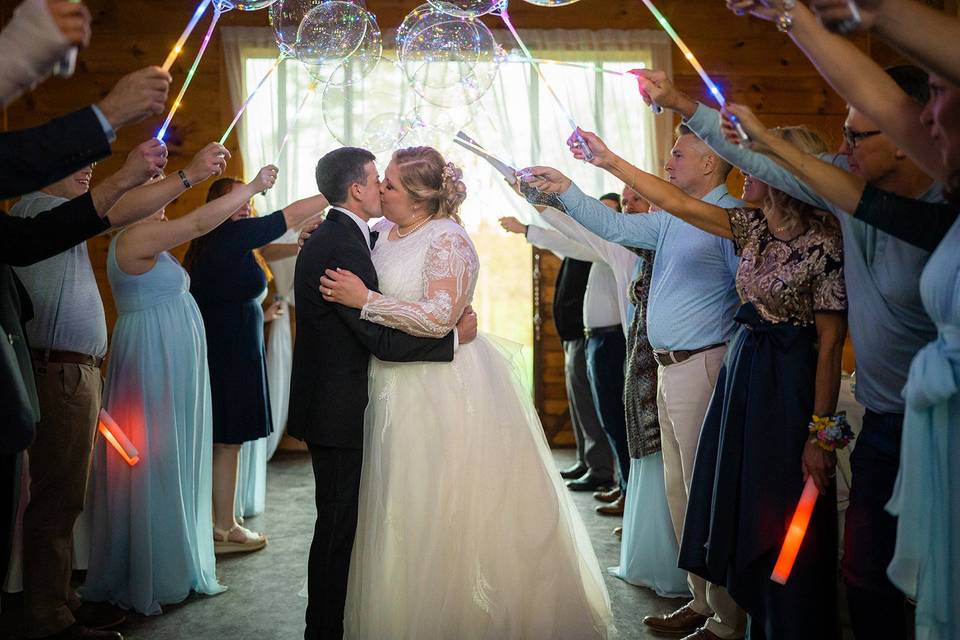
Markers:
point(66, 357)
point(590, 332)
point(667, 358)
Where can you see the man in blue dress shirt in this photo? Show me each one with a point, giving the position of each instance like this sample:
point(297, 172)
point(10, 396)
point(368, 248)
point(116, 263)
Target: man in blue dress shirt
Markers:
point(690, 313)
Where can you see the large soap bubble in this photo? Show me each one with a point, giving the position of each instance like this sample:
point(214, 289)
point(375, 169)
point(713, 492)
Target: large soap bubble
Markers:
point(551, 3)
point(467, 8)
point(371, 112)
point(411, 21)
point(339, 42)
point(286, 16)
point(243, 5)
point(449, 61)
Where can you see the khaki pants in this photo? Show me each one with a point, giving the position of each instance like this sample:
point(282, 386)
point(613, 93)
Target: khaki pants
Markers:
point(59, 462)
point(683, 395)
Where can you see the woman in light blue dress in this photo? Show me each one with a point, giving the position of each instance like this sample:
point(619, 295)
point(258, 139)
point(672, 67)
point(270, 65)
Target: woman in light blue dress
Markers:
point(152, 537)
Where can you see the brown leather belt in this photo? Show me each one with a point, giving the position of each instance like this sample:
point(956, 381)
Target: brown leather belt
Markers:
point(66, 357)
point(667, 358)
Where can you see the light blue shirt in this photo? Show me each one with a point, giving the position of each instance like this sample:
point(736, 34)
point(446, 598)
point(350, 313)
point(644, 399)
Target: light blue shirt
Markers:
point(888, 323)
point(693, 295)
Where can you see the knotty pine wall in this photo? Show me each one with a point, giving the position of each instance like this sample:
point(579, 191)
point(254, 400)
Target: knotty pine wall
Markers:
point(756, 65)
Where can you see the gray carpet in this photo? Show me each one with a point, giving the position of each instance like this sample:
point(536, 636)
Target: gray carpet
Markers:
point(261, 602)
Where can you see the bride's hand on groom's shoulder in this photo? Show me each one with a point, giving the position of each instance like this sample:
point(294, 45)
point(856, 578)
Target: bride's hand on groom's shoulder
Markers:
point(467, 326)
point(343, 287)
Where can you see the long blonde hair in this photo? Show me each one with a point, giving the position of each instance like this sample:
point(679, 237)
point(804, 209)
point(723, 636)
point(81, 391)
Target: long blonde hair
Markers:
point(796, 211)
point(432, 181)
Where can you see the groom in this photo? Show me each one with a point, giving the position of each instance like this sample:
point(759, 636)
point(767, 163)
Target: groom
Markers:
point(328, 392)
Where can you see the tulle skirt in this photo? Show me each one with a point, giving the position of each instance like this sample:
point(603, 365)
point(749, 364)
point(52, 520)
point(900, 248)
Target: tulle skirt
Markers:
point(648, 550)
point(465, 530)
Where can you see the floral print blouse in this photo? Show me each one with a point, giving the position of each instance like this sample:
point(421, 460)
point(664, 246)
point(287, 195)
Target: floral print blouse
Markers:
point(788, 280)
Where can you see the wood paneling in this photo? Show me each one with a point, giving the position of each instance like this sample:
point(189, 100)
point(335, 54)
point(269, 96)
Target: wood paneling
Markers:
point(752, 61)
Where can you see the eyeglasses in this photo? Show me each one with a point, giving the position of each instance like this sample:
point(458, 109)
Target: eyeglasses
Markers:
point(853, 138)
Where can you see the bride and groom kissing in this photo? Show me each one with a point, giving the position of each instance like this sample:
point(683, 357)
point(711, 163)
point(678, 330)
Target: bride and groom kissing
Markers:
point(439, 511)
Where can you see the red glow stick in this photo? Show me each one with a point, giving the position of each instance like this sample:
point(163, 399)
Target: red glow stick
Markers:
point(113, 434)
point(796, 532)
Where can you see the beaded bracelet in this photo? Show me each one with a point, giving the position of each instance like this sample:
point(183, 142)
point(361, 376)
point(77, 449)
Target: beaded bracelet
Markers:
point(831, 432)
point(785, 19)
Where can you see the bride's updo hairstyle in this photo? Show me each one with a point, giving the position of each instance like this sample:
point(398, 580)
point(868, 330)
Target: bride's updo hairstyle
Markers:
point(431, 181)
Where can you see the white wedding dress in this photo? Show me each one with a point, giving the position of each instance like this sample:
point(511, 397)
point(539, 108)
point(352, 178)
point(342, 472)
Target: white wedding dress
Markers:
point(465, 532)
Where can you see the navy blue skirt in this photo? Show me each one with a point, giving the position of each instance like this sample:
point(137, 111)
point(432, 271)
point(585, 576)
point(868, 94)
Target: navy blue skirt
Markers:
point(748, 478)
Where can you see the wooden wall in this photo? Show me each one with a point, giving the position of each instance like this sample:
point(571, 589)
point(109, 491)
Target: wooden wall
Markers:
point(752, 61)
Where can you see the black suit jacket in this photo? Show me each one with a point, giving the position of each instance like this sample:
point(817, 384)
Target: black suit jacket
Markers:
point(31, 159)
point(328, 390)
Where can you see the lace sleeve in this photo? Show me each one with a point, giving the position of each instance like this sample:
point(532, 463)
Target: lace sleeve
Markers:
point(449, 276)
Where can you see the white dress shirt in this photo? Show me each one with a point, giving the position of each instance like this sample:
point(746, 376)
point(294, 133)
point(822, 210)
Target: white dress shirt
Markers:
point(364, 226)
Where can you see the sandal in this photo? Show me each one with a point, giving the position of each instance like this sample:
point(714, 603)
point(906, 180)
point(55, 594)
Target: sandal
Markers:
point(224, 543)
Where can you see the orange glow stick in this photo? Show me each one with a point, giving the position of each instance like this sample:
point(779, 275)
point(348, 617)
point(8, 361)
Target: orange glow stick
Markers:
point(796, 532)
point(113, 434)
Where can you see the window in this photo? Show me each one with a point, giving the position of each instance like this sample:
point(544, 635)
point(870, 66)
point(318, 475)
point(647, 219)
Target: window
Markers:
point(517, 120)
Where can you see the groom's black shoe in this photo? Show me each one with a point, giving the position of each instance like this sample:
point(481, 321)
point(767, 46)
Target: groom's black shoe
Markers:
point(589, 482)
point(574, 472)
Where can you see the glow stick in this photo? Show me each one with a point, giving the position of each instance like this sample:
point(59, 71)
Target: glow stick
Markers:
point(502, 167)
point(587, 154)
point(688, 54)
point(177, 48)
point(243, 107)
point(795, 533)
point(296, 118)
point(113, 434)
point(190, 74)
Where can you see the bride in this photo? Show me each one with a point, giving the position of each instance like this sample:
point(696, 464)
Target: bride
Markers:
point(464, 530)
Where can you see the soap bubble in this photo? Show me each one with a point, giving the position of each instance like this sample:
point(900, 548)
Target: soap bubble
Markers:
point(286, 16)
point(467, 8)
point(243, 5)
point(370, 113)
point(551, 3)
point(449, 61)
point(339, 42)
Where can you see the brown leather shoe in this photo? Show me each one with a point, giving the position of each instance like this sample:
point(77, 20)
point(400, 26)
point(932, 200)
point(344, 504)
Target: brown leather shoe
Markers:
point(618, 531)
point(607, 496)
point(703, 634)
point(681, 622)
point(615, 508)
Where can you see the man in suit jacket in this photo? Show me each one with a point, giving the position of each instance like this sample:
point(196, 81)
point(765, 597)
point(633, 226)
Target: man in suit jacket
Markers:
point(328, 391)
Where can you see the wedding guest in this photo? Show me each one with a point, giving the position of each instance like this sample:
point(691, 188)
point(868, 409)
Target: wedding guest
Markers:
point(152, 538)
point(226, 279)
point(923, 562)
point(689, 320)
point(888, 325)
point(783, 365)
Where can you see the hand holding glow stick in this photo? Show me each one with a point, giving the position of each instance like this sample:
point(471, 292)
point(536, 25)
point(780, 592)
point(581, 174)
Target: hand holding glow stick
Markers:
point(113, 434)
point(795, 533)
point(688, 54)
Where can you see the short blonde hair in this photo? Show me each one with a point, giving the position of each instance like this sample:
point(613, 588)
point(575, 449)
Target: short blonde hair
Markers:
point(432, 181)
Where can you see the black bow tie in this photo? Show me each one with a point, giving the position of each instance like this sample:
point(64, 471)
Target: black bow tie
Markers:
point(373, 239)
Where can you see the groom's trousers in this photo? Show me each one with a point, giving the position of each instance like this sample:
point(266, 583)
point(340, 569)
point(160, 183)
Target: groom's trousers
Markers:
point(336, 473)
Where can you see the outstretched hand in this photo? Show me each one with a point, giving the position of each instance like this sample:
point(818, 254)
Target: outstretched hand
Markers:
point(750, 123)
point(833, 13)
point(602, 156)
point(546, 179)
point(343, 287)
point(210, 161)
point(512, 225)
point(265, 179)
point(768, 10)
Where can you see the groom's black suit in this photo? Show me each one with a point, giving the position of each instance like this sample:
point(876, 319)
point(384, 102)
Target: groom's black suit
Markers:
point(328, 396)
